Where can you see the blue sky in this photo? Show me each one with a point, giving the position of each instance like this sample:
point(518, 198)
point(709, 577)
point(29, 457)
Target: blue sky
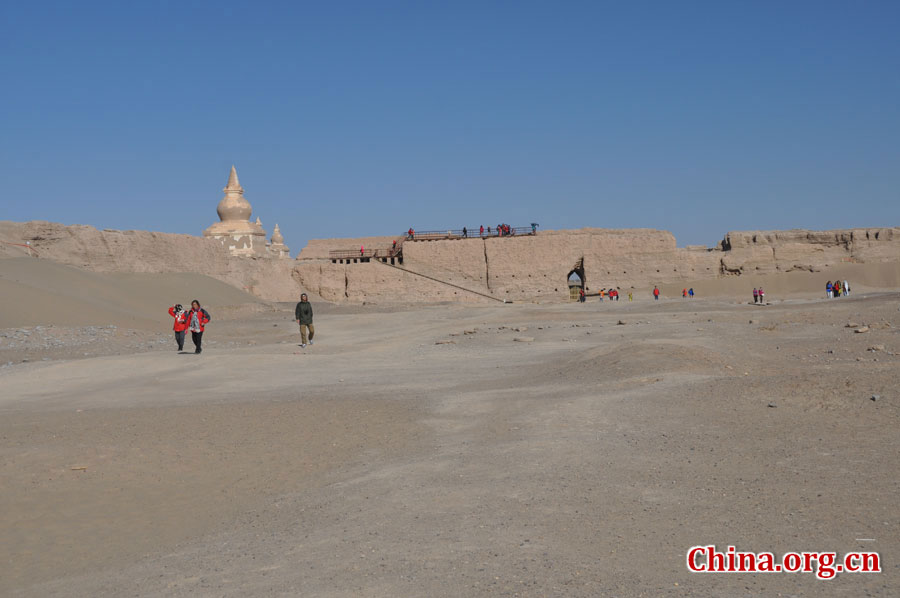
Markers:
point(359, 118)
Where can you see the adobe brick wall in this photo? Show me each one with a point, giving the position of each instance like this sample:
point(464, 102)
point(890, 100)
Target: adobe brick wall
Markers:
point(536, 267)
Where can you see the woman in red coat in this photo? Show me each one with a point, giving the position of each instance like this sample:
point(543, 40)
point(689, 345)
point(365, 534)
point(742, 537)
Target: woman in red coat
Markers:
point(181, 324)
point(197, 319)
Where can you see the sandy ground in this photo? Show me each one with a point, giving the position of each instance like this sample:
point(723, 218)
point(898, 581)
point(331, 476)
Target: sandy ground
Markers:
point(584, 462)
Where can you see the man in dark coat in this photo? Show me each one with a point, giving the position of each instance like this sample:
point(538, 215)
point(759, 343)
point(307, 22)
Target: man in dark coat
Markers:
point(304, 315)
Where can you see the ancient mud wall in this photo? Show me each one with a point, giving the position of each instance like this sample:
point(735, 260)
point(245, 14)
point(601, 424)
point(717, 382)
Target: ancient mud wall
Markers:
point(513, 268)
point(143, 251)
point(533, 267)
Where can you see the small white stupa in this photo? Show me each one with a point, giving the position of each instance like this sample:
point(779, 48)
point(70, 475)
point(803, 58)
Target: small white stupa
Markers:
point(277, 246)
point(234, 228)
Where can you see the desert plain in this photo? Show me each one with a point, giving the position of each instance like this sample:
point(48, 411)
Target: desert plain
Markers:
point(555, 449)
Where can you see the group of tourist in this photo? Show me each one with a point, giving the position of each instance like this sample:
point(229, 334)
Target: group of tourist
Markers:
point(499, 230)
point(685, 293)
point(612, 294)
point(197, 318)
point(194, 320)
point(759, 296)
point(837, 289)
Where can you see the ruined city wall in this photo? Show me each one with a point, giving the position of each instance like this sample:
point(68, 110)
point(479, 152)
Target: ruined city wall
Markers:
point(151, 252)
point(531, 267)
point(537, 267)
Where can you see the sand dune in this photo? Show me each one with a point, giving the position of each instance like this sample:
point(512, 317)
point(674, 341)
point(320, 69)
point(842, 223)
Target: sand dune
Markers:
point(42, 292)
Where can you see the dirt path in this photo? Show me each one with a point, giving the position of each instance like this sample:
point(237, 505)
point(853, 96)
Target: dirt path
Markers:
point(377, 463)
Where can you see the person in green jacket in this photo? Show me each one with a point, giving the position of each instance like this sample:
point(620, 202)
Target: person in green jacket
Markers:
point(304, 315)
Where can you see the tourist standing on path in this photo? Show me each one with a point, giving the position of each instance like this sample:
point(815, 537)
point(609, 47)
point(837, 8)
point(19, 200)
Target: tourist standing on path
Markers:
point(755, 295)
point(684, 293)
point(481, 231)
point(829, 289)
point(465, 233)
point(762, 296)
point(846, 288)
point(197, 319)
point(629, 296)
point(691, 292)
point(656, 293)
point(581, 294)
point(304, 315)
point(181, 324)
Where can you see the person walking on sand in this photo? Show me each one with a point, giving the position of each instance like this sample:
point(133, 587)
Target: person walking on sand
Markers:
point(304, 315)
point(828, 289)
point(465, 233)
point(629, 296)
point(481, 231)
point(762, 296)
point(684, 293)
point(846, 288)
point(181, 324)
point(691, 292)
point(755, 295)
point(197, 319)
point(656, 293)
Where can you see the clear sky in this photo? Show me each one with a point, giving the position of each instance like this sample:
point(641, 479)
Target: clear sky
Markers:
point(359, 118)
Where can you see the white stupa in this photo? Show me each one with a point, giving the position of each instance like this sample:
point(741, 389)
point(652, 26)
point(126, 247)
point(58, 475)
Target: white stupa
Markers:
point(234, 228)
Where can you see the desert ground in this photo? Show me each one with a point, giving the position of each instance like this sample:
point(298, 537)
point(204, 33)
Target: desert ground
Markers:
point(446, 450)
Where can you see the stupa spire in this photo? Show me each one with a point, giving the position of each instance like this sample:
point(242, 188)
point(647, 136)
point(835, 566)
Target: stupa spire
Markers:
point(233, 183)
point(234, 207)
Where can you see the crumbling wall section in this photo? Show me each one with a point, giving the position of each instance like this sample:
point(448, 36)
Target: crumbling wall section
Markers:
point(536, 266)
point(152, 252)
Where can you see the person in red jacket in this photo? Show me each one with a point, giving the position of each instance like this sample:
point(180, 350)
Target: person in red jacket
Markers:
point(181, 324)
point(197, 320)
point(656, 293)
